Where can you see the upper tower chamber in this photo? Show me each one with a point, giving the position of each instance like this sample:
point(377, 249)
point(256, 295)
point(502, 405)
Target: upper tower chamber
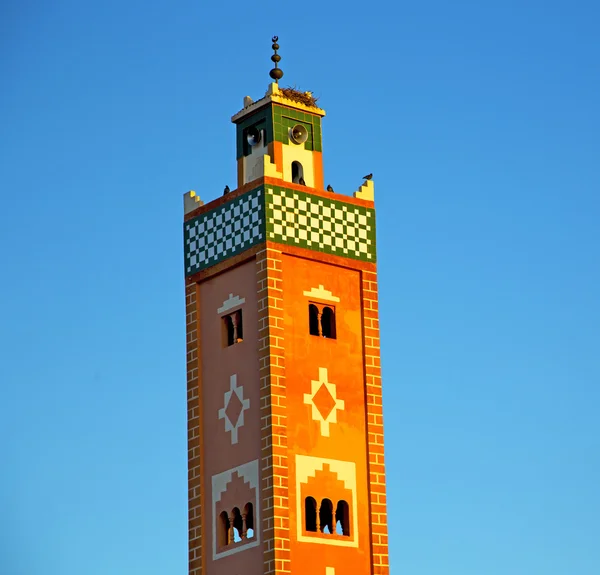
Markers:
point(285, 425)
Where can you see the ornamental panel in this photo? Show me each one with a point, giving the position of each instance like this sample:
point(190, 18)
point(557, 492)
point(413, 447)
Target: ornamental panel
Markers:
point(280, 215)
point(224, 232)
point(316, 223)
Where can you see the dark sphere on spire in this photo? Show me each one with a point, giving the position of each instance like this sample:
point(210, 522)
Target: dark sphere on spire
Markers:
point(276, 73)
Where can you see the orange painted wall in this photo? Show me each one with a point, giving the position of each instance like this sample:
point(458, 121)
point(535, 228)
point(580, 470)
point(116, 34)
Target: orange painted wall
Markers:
point(218, 363)
point(318, 170)
point(344, 360)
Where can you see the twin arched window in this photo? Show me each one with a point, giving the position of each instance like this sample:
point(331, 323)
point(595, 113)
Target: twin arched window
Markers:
point(321, 320)
point(323, 519)
point(233, 328)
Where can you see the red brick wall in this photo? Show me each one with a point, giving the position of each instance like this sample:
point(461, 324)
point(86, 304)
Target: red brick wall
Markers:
point(195, 482)
point(379, 538)
point(274, 467)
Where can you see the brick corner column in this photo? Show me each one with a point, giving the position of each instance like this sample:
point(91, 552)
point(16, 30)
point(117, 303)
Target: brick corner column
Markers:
point(274, 472)
point(374, 405)
point(195, 481)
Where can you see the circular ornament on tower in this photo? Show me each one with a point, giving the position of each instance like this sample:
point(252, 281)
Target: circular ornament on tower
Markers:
point(253, 136)
point(299, 134)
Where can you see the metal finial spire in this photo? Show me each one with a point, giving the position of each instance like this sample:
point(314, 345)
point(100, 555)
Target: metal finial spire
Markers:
point(276, 73)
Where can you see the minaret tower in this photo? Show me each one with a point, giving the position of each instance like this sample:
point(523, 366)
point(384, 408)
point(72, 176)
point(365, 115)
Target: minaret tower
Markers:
point(285, 427)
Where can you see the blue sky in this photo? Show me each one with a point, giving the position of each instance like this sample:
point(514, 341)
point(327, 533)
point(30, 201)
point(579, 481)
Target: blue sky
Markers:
point(480, 121)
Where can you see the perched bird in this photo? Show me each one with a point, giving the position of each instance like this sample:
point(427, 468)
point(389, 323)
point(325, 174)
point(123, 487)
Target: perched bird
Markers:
point(226, 190)
point(368, 177)
point(329, 189)
point(302, 182)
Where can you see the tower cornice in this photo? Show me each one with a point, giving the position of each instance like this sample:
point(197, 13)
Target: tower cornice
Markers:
point(274, 95)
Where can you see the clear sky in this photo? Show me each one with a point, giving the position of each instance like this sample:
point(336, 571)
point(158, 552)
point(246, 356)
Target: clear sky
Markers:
point(480, 122)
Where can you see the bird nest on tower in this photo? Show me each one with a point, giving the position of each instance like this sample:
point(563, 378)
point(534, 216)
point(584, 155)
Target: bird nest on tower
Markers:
point(305, 98)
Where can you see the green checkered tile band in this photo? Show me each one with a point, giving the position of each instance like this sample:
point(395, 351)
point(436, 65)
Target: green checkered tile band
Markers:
point(299, 219)
point(224, 232)
point(283, 216)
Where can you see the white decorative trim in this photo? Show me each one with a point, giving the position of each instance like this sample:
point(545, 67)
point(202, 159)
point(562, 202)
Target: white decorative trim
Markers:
point(191, 201)
point(321, 293)
point(231, 302)
point(249, 473)
point(307, 467)
point(329, 570)
point(239, 392)
point(315, 386)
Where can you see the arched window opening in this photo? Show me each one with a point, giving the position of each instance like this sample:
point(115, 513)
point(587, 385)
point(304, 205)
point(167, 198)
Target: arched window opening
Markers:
point(238, 524)
point(313, 319)
point(328, 322)
point(223, 529)
point(233, 328)
point(297, 172)
point(326, 516)
point(248, 517)
point(239, 335)
point(228, 330)
point(342, 518)
point(321, 320)
point(310, 514)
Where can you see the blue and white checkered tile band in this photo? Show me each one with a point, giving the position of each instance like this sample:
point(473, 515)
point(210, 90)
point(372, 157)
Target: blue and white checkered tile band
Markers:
point(224, 232)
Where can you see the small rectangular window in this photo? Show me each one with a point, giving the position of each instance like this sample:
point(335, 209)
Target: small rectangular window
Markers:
point(233, 328)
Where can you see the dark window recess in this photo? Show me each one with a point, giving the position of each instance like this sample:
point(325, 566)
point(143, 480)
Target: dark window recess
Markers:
point(235, 527)
point(297, 172)
point(223, 529)
point(239, 325)
point(238, 525)
point(342, 517)
point(326, 516)
point(249, 519)
point(328, 522)
point(328, 322)
point(321, 320)
point(228, 330)
point(237, 520)
point(313, 319)
point(310, 514)
point(233, 328)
